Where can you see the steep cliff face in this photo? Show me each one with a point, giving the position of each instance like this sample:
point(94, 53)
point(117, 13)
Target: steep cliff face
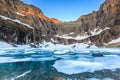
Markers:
point(98, 28)
point(24, 24)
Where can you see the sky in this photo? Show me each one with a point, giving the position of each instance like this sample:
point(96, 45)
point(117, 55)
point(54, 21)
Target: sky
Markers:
point(66, 10)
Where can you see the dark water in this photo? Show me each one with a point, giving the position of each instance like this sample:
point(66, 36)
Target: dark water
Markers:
point(44, 65)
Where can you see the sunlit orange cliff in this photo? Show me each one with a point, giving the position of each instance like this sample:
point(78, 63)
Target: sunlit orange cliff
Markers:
point(30, 11)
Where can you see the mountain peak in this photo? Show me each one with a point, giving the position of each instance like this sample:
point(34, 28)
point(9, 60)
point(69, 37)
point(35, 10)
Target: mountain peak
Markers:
point(13, 6)
point(111, 6)
point(37, 13)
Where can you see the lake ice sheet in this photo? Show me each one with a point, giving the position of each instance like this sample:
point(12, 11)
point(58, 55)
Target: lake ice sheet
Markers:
point(64, 62)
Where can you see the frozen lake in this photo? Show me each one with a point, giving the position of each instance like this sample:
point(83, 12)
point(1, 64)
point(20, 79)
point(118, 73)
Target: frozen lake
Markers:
point(38, 64)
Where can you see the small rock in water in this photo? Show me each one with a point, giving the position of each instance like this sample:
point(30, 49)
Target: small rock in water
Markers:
point(97, 55)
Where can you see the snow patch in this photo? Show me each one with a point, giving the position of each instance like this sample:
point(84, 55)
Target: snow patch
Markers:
point(53, 40)
point(20, 14)
point(5, 45)
point(96, 31)
point(64, 48)
point(16, 20)
point(71, 33)
point(23, 46)
point(75, 38)
point(114, 41)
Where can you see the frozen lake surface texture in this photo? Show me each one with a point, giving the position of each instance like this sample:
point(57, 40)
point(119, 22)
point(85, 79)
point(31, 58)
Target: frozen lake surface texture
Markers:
point(65, 64)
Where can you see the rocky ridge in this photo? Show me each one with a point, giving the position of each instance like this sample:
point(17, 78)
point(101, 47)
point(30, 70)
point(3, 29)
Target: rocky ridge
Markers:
point(99, 27)
point(24, 24)
point(16, 18)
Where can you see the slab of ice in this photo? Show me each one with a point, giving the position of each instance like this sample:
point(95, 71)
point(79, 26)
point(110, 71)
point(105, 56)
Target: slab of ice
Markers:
point(92, 79)
point(12, 59)
point(61, 52)
point(99, 79)
point(23, 47)
point(108, 79)
point(73, 67)
point(61, 48)
point(24, 59)
point(48, 46)
point(87, 65)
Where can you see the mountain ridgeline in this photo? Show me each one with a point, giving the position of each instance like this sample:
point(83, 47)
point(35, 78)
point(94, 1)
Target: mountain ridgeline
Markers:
point(25, 24)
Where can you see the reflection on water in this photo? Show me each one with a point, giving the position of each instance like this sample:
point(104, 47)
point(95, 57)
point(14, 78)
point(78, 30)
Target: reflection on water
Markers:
point(47, 66)
point(45, 71)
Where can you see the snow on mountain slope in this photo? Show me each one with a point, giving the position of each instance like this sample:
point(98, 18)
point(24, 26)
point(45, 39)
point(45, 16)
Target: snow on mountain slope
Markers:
point(96, 31)
point(5, 45)
point(114, 41)
point(20, 14)
point(16, 20)
point(70, 37)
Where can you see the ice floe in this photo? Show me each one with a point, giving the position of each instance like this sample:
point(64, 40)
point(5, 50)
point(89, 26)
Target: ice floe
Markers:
point(64, 48)
point(87, 65)
point(99, 79)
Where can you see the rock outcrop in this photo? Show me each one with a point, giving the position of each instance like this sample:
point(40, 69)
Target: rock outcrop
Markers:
point(100, 26)
point(24, 24)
